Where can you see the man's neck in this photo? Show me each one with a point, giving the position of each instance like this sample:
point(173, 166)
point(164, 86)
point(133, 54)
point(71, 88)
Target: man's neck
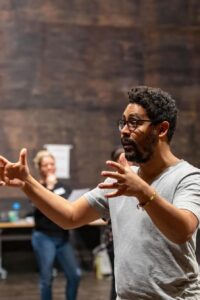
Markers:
point(160, 161)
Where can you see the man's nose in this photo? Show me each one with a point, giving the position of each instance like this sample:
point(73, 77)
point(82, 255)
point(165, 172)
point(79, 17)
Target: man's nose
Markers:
point(125, 130)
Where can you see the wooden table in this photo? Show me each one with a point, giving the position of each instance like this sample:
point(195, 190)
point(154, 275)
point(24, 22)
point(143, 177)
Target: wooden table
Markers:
point(25, 223)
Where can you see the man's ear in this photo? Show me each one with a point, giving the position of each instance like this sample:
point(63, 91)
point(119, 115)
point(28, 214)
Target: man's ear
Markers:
point(163, 128)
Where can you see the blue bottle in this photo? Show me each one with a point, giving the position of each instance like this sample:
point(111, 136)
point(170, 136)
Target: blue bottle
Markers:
point(13, 215)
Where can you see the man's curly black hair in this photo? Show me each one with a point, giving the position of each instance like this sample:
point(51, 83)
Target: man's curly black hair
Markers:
point(159, 105)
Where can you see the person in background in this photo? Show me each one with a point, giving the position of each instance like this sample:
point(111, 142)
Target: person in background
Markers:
point(107, 236)
point(49, 240)
point(154, 207)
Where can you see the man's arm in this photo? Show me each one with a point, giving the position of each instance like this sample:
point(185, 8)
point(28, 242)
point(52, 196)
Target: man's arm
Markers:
point(64, 213)
point(178, 225)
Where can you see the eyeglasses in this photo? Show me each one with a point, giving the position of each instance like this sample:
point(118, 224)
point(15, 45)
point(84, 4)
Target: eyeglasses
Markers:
point(131, 123)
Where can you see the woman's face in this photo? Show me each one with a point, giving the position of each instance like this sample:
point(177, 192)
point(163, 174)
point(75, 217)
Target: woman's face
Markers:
point(47, 166)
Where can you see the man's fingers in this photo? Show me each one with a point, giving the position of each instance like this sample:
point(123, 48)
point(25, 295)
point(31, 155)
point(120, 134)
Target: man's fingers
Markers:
point(123, 161)
point(23, 157)
point(114, 175)
point(113, 194)
point(112, 185)
point(13, 182)
point(116, 165)
point(3, 161)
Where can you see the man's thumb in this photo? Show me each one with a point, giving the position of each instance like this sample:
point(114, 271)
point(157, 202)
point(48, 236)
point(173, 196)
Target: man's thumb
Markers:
point(23, 157)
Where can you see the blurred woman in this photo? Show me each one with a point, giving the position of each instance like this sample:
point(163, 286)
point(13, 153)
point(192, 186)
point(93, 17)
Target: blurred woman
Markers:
point(50, 241)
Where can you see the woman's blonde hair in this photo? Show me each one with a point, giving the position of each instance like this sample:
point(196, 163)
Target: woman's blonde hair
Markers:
point(40, 155)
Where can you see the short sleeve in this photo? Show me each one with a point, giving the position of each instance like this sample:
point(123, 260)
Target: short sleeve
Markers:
point(97, 200)
point(187, 195)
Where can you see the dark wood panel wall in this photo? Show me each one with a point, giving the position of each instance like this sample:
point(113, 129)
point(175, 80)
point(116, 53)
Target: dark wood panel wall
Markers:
point(66, 67)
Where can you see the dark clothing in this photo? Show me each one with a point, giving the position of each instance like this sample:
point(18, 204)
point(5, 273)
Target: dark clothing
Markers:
point(107, 239)
point(51, 242)
point(113, 294)
point(44, 224)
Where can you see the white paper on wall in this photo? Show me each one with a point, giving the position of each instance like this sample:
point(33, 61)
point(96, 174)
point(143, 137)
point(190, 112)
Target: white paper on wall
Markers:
point(62, 156)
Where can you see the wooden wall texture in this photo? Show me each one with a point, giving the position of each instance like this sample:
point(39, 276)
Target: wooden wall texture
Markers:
point(66, 67)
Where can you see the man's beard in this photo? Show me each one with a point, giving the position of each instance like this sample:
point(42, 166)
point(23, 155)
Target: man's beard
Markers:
point(136, 153)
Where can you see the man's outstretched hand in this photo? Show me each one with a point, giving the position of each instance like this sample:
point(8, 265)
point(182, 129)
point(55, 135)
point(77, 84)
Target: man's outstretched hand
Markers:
point(14, 174)
point(126, 180)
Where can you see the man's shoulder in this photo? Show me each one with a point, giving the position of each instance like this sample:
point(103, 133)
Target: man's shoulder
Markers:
point(187, 167)
point(185, 170)
point(178, 172)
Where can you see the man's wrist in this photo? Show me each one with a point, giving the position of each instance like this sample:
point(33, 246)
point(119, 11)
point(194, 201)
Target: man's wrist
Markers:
point(150, 199)
point(26, 181)
point(146, 197)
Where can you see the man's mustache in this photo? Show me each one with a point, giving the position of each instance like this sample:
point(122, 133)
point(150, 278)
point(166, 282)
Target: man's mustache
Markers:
point(127, 142)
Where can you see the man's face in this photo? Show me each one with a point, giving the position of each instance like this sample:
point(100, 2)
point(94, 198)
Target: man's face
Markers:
point(139, 138)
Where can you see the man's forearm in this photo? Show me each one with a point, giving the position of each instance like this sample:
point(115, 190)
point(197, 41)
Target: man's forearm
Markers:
point(53, 206)
point(176, 224)
point(64, 213)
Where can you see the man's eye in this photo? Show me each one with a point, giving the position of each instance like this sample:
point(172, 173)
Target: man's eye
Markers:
point(136, 122)
point(133, 122)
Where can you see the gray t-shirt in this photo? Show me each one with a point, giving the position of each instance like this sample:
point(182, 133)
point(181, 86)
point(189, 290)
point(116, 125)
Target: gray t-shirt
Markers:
point(147, 264)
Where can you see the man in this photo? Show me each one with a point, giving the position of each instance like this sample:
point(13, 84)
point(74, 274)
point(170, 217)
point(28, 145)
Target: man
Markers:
point(154, 208)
